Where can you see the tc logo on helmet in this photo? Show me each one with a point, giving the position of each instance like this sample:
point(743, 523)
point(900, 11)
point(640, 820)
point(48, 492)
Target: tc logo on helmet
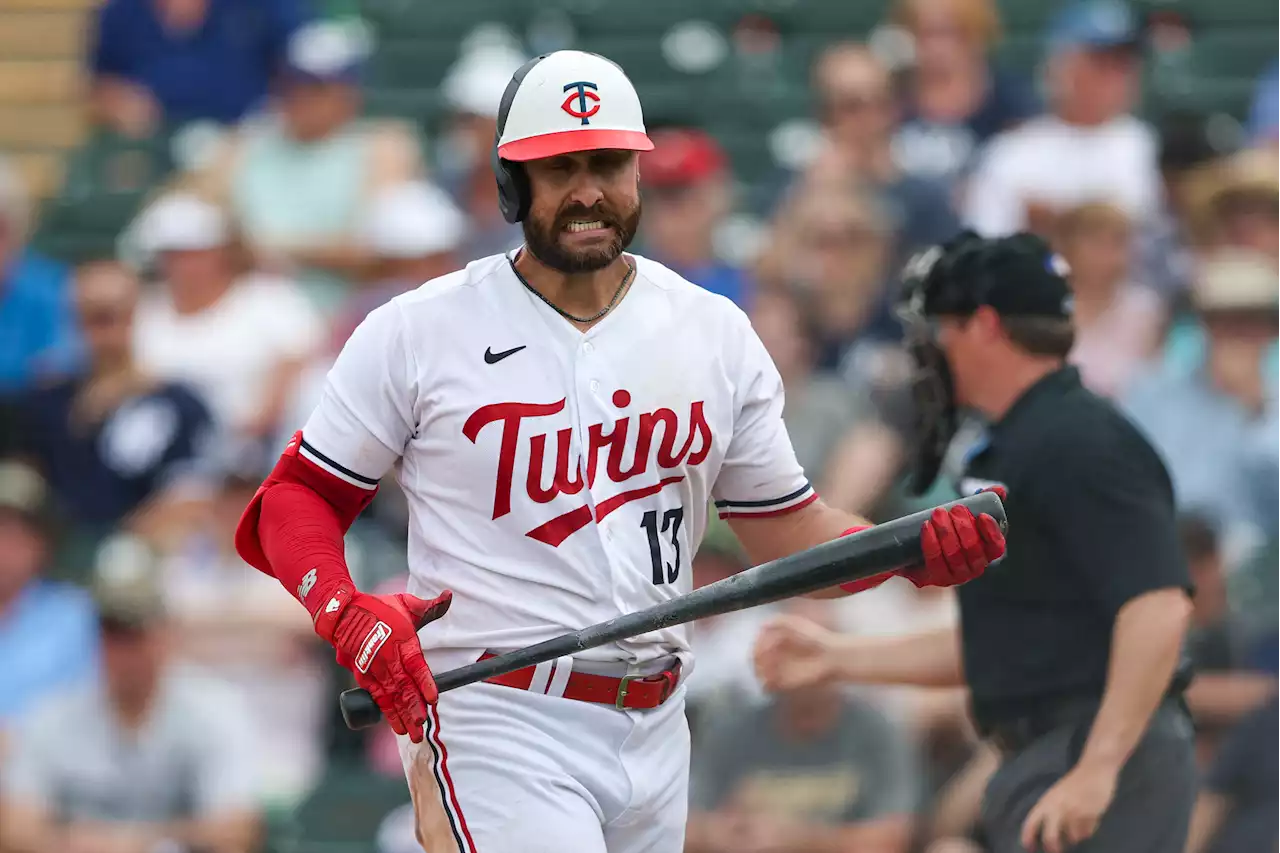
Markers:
point(581, 95)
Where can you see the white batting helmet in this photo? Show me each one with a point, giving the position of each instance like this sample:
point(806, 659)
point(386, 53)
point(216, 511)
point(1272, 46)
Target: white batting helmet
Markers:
point(559, 103)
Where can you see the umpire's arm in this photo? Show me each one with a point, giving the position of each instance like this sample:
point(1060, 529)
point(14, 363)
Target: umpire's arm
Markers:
point(1117, 530)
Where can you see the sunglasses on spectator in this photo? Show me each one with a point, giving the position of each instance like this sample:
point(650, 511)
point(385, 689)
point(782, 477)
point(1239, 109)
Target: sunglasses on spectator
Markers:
point(852, 104)
point(121, 629)
point(839, 239)
point(101, 316)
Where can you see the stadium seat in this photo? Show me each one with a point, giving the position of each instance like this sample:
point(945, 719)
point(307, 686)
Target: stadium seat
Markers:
point(830, 18)
point(1234, 52)
point(402, 63)
point(420, 105)
point(647, 18)
point(1019, 54)
point(442, 20)
point(106, 182)
point(1207, 15)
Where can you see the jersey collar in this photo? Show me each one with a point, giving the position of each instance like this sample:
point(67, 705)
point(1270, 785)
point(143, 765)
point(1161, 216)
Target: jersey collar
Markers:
point(1050, 385)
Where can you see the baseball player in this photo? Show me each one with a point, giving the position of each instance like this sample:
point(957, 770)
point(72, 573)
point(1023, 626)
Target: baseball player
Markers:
point(559, 418)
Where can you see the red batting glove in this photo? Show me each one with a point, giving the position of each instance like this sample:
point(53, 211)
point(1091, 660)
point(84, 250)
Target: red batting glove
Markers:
point(957, 547)
point(376, 637)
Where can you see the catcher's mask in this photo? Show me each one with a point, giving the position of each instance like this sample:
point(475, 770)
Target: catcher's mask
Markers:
point(1018, 275)
point(934, 418)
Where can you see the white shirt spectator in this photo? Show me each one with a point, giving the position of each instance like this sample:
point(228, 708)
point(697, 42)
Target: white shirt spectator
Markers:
point(230, 351)
point(1052, 163)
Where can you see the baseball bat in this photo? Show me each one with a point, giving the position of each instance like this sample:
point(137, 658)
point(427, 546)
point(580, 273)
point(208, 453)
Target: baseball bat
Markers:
point(861, 555)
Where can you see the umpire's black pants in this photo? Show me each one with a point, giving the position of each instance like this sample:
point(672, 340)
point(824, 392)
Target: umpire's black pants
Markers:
point(1155, 792)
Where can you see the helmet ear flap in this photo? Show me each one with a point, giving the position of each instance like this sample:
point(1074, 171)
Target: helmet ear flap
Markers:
point(513, 188)
point(513, 183)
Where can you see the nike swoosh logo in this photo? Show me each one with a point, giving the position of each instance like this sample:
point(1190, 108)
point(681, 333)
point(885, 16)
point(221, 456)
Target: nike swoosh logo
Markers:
point(491, 357)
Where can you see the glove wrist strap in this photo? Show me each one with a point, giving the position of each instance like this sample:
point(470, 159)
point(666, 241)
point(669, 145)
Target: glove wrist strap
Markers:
point(329, 609)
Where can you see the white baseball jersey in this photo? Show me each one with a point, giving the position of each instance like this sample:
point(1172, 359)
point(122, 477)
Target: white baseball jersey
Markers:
point(557, 478)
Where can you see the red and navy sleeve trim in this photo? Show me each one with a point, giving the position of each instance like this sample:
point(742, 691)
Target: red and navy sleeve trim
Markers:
point(345, 474)
point(801, 497)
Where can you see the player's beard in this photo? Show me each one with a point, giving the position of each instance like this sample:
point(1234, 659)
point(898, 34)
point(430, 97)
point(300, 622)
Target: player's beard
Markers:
point(543, 239)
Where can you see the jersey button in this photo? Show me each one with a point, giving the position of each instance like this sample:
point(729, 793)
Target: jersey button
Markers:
point(587, 346)
point(595, 386)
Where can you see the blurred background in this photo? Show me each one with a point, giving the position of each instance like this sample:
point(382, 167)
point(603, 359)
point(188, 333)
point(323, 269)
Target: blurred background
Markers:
point(200, 199)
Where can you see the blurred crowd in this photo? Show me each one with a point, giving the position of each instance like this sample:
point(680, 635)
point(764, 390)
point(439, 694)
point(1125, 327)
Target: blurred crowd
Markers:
point(143, 397)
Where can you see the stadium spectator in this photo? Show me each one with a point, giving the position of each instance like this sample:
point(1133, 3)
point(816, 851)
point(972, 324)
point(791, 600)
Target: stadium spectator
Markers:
point(298, 180)
point(240, 338)
point(116, 443)
point(1090, 148)
point(831, 245)
point(849, 455)
point(955, 98)
point(1264, 113)
point(1226, 687)
point(953, 821)
point(37, 331)
point(824, 771)
point(1237, 809)
point(47, 635)
point(157, 62)
point(855, 102)
point(724, 681)
point(472, 90)
point(413, 233)
point(687, 194)
point(1234, 203)
point(148, 758)
point(1187, 142)
point(239, 626)
point(1118, 323)
point(1216, 426)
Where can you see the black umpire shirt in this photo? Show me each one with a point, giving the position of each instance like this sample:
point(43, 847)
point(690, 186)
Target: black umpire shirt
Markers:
point(1091, 526)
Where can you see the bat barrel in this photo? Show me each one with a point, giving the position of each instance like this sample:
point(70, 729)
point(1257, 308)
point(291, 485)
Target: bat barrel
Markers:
point(870, 552)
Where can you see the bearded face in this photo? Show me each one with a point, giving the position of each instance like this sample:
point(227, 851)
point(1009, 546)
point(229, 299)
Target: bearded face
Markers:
point(585, 209)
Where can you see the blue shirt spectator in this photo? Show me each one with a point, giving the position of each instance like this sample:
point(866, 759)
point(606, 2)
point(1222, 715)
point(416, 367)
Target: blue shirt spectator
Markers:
point(37, 332)
point(687, 197)
point(1264, 114)
point(1217, 426)
point(212, 63)
point(48, 640)
point(47, 630)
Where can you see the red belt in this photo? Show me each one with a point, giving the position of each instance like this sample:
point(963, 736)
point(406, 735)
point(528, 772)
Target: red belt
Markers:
point(630, 691)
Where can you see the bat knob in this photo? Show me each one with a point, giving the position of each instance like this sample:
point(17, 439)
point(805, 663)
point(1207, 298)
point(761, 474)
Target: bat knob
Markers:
point(359, 711)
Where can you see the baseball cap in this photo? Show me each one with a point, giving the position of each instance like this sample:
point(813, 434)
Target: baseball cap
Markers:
point(126, 584)
point(680, 157)
point(1232, 281)
point(1018, 276)
point(182, 222)
point(475, 82)
point(413, 220)
point(569, 101)
point(327, 51)
point(1096, 25)
point(23, 492)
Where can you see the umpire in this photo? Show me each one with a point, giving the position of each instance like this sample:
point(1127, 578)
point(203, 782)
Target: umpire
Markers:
point(1071, 648)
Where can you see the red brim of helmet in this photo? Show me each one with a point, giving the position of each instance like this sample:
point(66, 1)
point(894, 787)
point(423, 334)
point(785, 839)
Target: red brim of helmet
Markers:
point(569, 141)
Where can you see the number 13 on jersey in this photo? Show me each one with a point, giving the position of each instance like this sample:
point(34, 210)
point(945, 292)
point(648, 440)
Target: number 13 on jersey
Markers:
point(662, 529)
